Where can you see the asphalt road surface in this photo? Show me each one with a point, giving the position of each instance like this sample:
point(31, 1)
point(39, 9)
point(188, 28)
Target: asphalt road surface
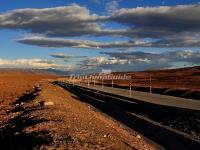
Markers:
point(144, 97)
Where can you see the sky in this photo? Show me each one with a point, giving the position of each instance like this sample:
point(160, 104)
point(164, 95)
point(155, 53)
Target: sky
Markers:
point(93, 35)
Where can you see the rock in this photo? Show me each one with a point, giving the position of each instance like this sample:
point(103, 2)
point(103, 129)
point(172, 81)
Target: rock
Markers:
point(16, 113)
point(16, 133)
point(16, 105)
point(138, 136)
point(49, 103)
point(38, 87)
point(22, 103)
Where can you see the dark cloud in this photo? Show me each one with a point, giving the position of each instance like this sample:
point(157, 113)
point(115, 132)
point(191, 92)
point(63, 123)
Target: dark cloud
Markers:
point(160, 21)
point(64, 56)
point(58, 42)
point(71, 20)
point(74, 20)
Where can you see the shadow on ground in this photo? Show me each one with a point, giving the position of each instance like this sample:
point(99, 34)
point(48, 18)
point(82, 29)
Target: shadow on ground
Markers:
point(13, 134)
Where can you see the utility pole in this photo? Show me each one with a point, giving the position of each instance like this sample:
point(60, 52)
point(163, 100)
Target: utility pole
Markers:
point(88, 83)
point(130, 88)
point(150, 90)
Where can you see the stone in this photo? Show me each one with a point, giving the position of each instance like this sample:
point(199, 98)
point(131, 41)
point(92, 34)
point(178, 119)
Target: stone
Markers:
point(138, 136)
point(48, 103)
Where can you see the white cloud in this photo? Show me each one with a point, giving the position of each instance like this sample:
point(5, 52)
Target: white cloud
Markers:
point(187, 56)
point(98, 61)
point(35, 63)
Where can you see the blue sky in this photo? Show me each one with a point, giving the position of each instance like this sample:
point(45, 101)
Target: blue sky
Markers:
point(12, 51)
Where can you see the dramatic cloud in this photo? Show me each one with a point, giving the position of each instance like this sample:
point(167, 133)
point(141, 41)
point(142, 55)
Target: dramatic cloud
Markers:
point(160, 21)
point(72, 20)
point(58, 42)
point(166, 24)
point(75, 20)
point(160, 27)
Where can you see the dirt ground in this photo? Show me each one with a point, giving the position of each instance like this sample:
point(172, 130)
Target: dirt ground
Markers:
point(182, 78)
point(63, 122)
point(14, 84)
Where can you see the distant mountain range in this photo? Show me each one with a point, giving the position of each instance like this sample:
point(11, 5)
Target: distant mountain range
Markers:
point(36, 71)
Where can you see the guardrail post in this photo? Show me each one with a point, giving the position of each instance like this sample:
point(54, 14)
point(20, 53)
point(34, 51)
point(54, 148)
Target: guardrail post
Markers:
point(88, 83)
point(130, 88)
point(112, 83)
point(102, 84)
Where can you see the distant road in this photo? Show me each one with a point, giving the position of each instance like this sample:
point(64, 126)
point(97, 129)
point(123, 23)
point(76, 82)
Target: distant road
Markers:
point(144, 97)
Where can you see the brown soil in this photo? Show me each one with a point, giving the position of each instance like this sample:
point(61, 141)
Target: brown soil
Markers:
point(188, 78)
point(14, 84)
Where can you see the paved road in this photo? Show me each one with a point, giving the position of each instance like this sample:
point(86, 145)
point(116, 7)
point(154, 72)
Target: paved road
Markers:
point(157, 99)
